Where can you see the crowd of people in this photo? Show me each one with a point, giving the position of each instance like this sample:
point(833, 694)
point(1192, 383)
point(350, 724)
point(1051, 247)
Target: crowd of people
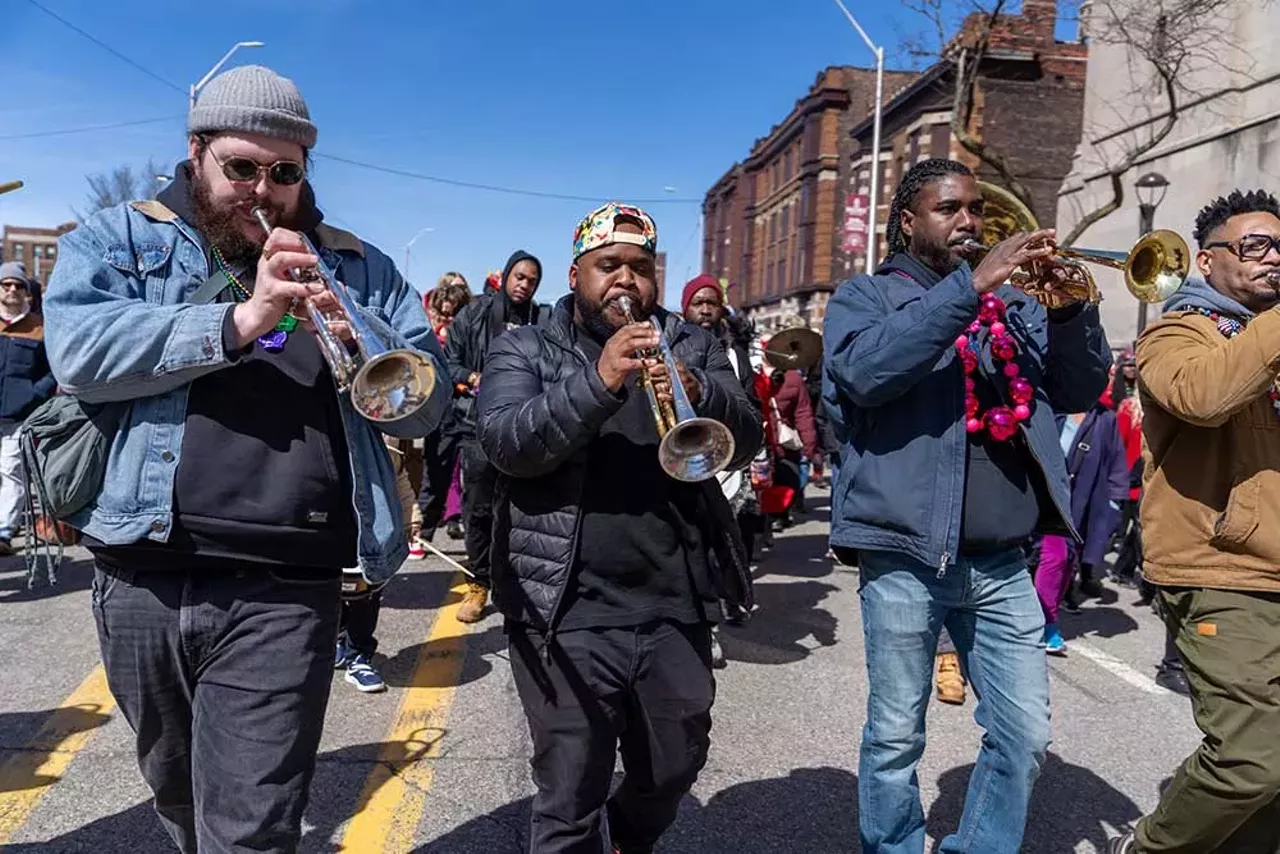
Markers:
point(986, 454)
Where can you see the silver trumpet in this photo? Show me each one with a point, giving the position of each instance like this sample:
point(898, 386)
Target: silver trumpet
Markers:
point(386, 383)
point(692, 448)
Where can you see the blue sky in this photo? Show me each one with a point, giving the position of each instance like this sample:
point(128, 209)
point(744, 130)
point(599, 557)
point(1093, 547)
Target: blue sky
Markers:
point(603, 100)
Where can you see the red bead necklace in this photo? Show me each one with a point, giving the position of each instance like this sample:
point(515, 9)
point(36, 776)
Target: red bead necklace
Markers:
point(1000, 422)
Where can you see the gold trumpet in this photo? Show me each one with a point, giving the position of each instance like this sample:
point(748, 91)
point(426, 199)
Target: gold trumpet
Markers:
point(692, 448)
point(386, 383)
point(1154, 268)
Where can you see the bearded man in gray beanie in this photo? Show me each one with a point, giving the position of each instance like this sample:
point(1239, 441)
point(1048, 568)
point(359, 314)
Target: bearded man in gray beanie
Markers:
point(240, 482)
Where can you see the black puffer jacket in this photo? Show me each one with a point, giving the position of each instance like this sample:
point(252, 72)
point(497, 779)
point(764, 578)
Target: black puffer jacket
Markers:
point(466, 349)
point(542, 402)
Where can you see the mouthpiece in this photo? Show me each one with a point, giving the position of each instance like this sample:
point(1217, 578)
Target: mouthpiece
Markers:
point(260, 214)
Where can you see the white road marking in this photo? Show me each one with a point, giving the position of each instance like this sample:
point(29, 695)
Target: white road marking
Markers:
point(1117, 667)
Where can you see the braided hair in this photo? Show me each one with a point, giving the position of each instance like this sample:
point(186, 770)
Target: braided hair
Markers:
point(1222, 209)
point(912, 183)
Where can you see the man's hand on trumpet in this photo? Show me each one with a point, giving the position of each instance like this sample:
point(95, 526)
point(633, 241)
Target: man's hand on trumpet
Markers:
point(619, 357)
point(274, 291)
point(662, 382)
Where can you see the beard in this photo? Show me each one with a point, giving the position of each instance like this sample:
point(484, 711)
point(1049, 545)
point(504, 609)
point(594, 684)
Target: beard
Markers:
point(221, 227)
point(935, 255)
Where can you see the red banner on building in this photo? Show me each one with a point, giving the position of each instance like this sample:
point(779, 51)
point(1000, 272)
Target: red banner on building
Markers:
point(857, 211)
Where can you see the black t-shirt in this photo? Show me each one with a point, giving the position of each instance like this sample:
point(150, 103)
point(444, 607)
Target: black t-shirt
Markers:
point(641, 545)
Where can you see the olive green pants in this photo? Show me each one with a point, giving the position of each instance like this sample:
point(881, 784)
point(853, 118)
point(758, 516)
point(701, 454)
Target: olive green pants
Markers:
point(1226, 796)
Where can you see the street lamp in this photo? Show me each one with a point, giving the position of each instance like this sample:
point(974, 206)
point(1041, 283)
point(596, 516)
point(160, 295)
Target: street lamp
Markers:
point(1150, 189)
point(410, 244)
point(195, 89)
point(873, 241)
point(10, 187)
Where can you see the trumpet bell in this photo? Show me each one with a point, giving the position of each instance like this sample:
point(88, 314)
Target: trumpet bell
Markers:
point(393, 385)
point(696, 449)
point(1157, 266)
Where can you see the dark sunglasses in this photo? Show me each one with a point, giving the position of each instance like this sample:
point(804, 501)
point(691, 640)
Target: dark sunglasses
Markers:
point(1251, 247)
point(242, 170)
point(13, 283)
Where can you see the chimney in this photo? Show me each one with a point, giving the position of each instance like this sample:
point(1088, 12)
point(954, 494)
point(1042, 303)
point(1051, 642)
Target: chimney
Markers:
point(1042, 15)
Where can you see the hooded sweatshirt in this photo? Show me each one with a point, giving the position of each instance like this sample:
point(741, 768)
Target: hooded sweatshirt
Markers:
point(1196, 293)
point(1004, 490)
point(264, 475)
point(503, 313)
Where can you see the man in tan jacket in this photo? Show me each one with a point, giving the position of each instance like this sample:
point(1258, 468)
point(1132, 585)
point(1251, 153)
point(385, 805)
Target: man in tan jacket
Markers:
point(1211, 528)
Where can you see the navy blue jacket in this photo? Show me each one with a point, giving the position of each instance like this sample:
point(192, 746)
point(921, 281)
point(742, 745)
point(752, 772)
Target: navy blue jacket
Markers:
point(26, 380)
point(895, 388)
point(1099, 476)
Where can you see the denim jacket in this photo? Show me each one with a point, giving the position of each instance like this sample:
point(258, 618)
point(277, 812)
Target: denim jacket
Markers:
point(119, 329)
point(894, 388)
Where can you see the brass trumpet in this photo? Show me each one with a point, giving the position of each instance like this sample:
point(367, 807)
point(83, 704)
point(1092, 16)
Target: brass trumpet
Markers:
point(1154, 268)
point(386, 383)
point(692, 448)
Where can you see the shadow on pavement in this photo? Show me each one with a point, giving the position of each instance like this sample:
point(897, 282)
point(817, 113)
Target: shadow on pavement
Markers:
point(73, 576)
point(1098, 620)
point(132, 831)
point(787, 613)
point(417, 591)
point(811, 810)
point(27, 739)
point(1070, 805)
point(399, 669)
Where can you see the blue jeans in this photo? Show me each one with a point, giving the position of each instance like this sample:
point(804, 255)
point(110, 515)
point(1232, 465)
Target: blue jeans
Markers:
point(989, 607)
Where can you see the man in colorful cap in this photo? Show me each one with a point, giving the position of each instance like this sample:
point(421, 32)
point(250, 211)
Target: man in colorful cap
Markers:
point(240, 483)
point(25, 383)
point(608, 571)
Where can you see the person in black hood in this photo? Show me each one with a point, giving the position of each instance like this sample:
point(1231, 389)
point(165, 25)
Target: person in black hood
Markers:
point(473, 330)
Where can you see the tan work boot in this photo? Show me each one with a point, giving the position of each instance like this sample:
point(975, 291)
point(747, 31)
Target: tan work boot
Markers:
point(473, 602)
point(949, 681)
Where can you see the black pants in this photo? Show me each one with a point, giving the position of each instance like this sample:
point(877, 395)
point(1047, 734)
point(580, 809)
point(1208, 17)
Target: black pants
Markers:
point(647, 689)
point(224, 677)
point(439, 456)
point(478, 478)
point(360, 621)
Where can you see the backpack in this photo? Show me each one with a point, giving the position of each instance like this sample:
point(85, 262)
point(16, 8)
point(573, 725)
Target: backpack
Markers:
point(64, 445)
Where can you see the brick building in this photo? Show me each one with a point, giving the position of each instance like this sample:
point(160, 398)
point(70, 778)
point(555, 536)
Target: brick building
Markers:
point(1028, 107)
point(769, 223)
point(786, 225)
point(37, 248)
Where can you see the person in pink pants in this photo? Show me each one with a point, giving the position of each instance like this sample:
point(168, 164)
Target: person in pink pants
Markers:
point(1052, 577)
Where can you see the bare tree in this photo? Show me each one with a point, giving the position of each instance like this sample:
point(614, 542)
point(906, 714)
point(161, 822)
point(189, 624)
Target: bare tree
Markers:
point(1166, 39)
point(122, 184)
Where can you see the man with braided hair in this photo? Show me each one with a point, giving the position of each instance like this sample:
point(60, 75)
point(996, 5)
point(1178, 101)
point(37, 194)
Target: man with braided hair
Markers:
point(944, 381)
point(1211, 527)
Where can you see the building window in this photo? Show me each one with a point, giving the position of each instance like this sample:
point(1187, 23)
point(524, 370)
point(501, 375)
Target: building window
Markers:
point(940, 141)
point(914, 148)
point(17, 251)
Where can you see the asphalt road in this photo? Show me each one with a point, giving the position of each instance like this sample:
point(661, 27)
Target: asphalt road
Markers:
point(438, 764)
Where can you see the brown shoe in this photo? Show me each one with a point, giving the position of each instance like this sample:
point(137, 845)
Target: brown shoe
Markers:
point(950, 682)
point(473, 603)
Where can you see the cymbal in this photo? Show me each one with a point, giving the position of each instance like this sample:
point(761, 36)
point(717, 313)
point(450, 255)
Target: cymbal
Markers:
point(798, 348)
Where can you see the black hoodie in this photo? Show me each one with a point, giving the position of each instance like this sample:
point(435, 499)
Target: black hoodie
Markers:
point(264, 474)
point(1004, 490)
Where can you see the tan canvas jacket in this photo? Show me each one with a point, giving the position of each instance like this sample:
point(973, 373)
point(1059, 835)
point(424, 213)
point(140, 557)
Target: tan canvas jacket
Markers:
point(1211, 446)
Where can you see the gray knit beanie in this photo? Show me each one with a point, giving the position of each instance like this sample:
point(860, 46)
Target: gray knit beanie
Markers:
point(253, 99)
point(13, 270)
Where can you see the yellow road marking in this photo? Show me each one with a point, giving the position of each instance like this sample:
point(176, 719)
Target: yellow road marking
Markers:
point(395, 792)
point(28, 775)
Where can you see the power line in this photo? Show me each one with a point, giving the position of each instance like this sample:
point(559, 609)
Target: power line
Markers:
point(108, 48)
point(91, 128)
point(514, 191)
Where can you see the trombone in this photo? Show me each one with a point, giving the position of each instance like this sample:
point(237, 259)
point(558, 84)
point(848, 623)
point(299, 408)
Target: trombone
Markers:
point(1154, 268)
point(692, 448)
point(386, 383)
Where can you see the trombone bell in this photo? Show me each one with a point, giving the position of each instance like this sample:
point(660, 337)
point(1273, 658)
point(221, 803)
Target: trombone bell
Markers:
point(695, 449)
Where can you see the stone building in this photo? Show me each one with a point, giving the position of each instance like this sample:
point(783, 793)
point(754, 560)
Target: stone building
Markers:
point(1227, 136)
point(1028, 103)
point(770, 222)
point(37, 248)
point(789, 223)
